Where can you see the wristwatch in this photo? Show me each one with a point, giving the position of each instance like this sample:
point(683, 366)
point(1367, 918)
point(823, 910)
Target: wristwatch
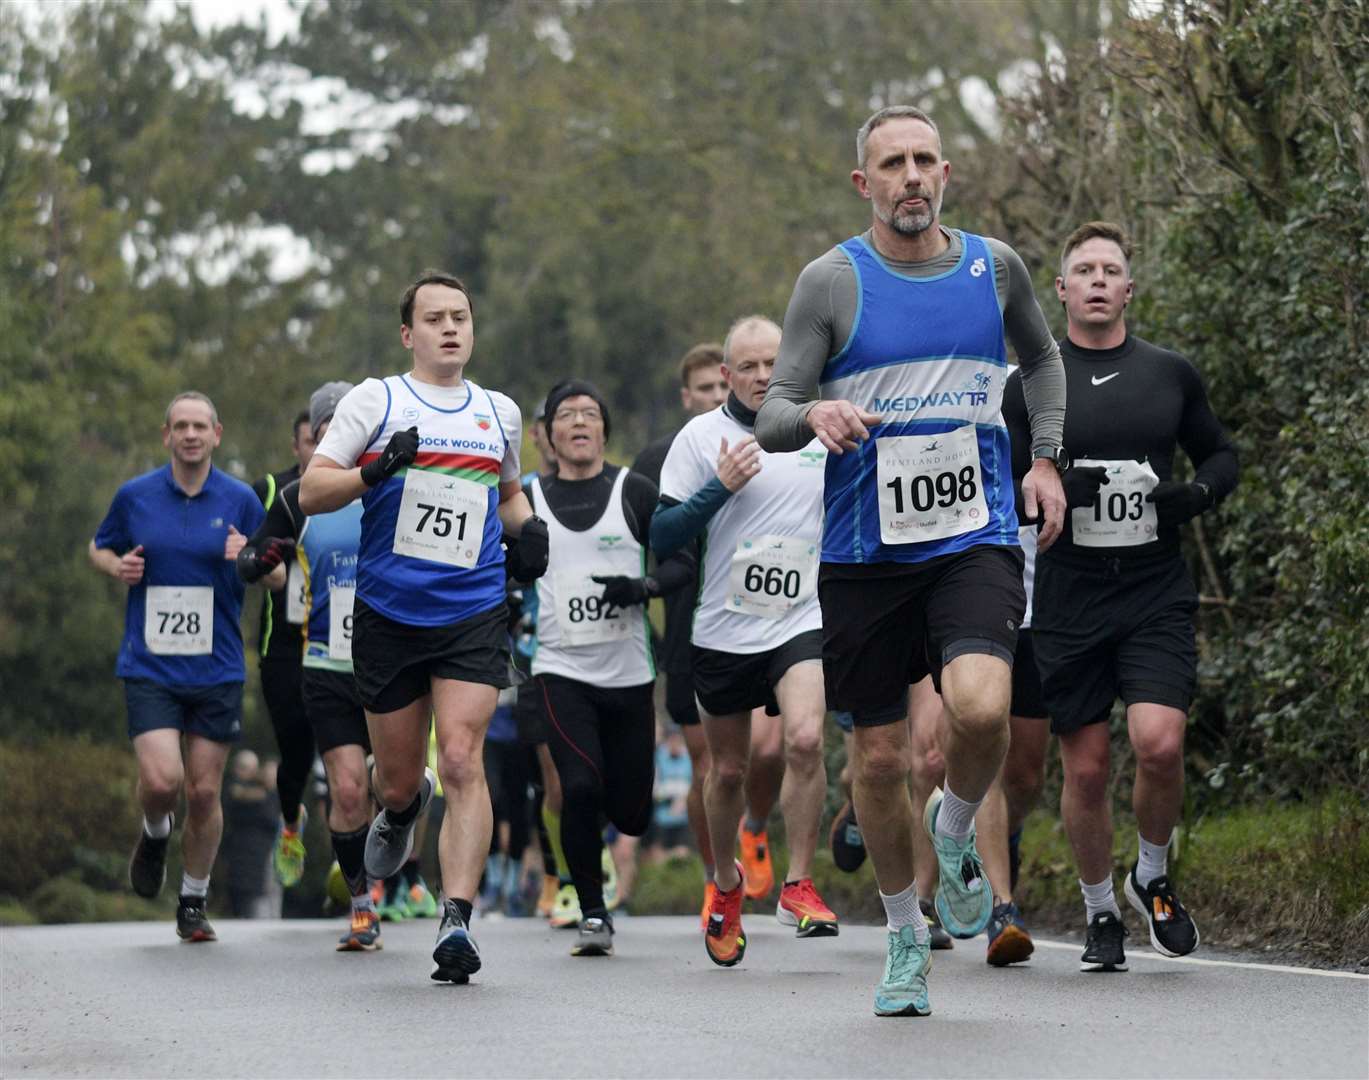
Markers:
point(1056, 455)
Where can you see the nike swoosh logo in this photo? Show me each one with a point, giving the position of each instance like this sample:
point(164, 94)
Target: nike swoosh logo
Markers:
point(1099, 382)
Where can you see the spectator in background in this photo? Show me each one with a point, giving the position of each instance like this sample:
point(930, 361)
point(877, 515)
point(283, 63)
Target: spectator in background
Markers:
point(674, 774)
point(250, 821)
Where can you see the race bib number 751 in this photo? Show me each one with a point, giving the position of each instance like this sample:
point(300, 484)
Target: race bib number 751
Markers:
point(441, 518)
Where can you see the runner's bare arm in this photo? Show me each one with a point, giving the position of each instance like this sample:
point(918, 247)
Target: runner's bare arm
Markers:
point(514, 508)
point(127, 568)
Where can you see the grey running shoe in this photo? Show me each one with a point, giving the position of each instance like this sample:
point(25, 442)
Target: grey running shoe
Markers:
point(595, 938)
point(388, 845)
point(147, 867)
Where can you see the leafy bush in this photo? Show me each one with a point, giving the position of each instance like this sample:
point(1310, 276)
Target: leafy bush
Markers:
point(66, 805)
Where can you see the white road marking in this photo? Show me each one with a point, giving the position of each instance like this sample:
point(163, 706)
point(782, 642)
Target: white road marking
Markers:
point(1285, 969)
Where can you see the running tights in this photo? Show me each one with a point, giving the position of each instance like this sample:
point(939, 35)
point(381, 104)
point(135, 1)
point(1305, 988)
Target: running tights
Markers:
point(603, 743)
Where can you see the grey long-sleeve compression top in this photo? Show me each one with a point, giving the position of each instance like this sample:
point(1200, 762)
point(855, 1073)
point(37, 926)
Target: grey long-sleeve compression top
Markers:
point(822, 312)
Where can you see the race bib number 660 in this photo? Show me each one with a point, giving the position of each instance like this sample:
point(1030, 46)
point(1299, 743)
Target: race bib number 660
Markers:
point(441, 518)
point(929, 486)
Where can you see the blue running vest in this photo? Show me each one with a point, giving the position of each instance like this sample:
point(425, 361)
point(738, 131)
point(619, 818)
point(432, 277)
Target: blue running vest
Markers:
point(468, 443)
point(927, 355)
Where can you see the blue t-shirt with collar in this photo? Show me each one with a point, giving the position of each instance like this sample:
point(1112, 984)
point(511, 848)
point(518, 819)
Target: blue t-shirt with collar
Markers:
point(183, 538)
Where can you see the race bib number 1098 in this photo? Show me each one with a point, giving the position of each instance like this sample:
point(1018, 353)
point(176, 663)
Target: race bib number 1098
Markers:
point(929, 486)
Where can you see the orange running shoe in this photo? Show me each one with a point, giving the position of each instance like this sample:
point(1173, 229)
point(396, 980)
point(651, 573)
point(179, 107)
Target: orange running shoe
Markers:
point(801, 906)
point(709, 890)
point(757, 870)
point(364, 933)
point(724, 940)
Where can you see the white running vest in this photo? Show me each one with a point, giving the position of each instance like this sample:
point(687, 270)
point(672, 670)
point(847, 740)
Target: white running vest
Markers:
point(578, 635)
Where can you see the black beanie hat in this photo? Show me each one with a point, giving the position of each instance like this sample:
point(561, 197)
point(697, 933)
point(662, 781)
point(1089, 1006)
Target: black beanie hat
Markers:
point(569, 388)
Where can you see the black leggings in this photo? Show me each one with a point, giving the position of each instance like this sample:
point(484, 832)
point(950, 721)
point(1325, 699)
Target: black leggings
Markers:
point(604, 746)
point(280, 685)
point(507, 767)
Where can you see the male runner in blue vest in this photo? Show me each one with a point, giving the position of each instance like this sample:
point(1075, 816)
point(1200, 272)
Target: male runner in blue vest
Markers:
point(894, 357)
point(434, 459)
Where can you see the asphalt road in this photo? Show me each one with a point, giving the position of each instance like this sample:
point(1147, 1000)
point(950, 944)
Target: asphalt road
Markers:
point(274, 999)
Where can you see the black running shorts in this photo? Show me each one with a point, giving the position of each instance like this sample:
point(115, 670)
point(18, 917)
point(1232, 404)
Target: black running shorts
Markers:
point(887, 626)
point(334, 709)
point(1027, 700)
point(395, 663)
point(679, 698)
point(1105, 628)
point(728, 683)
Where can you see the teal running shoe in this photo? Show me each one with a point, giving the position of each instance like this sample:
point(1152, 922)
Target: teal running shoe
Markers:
point(964, 900)
point(904, 989)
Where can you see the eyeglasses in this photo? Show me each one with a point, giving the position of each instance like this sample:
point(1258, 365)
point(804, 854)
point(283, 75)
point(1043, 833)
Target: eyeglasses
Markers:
point(589, 415)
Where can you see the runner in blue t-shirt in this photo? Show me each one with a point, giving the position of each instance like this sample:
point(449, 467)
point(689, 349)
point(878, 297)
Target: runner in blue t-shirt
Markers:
point(172, 536)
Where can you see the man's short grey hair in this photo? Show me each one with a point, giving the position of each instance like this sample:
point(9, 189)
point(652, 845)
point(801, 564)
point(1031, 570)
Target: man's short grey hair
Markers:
point(744, 325)
point(890, 112)
point(191, 395)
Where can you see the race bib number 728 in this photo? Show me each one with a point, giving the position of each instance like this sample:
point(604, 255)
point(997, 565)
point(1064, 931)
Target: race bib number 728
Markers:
point(179, 620)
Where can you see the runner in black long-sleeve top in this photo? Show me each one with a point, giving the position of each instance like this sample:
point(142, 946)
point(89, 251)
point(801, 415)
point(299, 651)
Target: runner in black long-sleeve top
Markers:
point(1114, 602)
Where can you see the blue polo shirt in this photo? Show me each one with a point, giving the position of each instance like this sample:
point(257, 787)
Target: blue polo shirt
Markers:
point(183, 538)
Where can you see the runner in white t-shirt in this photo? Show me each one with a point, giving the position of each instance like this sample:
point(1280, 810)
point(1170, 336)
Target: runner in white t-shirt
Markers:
point(757, 624)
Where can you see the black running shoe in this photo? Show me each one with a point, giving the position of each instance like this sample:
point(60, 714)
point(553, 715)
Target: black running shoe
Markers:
point(455, 957)
point(1172, 931)
point(940, 939)
point(1103, 949)
point(192, 924)
point(147, 867)
point(848, 846)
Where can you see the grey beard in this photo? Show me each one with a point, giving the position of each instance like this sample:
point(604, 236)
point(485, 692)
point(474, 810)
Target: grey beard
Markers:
point(912, 223)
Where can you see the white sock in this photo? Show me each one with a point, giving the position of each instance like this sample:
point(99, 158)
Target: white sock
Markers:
point(901, 910)
point(158, 829)
point(363, 902)
point(193, 886)
point(1098, 898)
point(955, 818)
point(1152, 862)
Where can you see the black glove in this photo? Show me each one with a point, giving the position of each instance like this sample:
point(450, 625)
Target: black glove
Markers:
point(253, 565)
point(399, 451)
point(1177, 502)
point(1081, 485)
point(625, 591)
point(528, 557)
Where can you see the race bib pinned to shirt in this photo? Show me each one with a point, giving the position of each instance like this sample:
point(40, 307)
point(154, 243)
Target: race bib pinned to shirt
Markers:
point(583, 615)
point(771, 575)
point(930, 486)
point(295, 606)
point(178, 620)
point(341, 601)
point(441, 518)
point(1121, 517)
